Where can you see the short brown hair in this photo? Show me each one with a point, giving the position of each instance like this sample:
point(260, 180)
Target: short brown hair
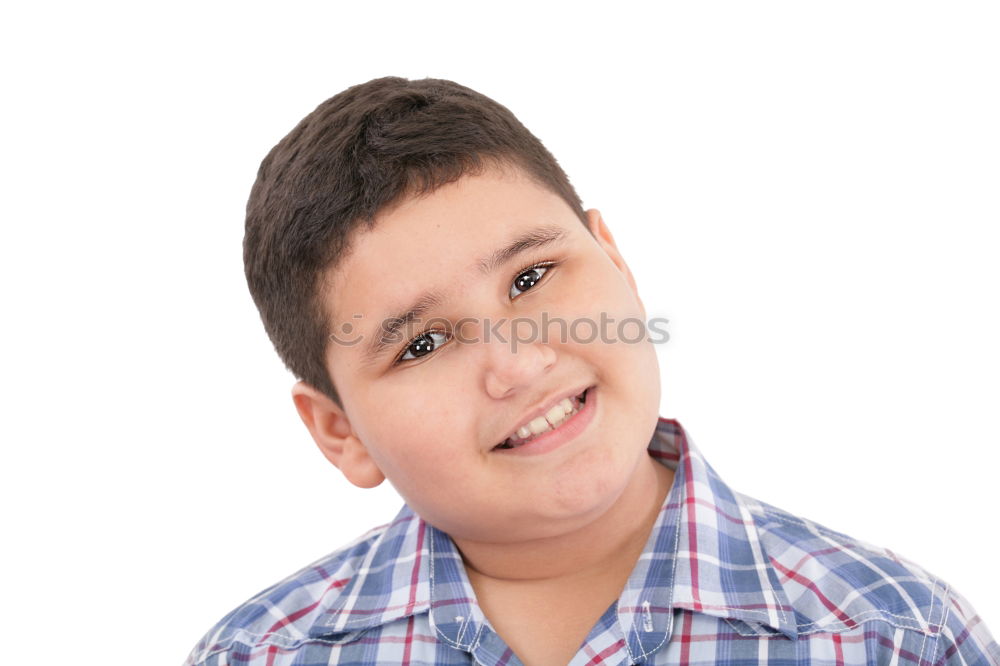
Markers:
point(358, 152)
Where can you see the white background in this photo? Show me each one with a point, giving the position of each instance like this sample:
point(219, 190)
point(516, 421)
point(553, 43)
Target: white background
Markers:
point(808, 192)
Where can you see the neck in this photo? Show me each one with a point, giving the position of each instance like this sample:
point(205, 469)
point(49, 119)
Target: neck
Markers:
point(611, 543)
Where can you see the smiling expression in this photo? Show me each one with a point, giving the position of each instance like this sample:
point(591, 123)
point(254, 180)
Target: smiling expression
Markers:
point(434, 408)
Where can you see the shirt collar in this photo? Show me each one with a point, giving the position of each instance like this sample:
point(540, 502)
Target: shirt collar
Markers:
point(390, 581)
point(704, 554)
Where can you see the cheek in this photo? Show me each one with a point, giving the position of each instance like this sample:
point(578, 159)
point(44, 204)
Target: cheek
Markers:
point(606, 291)
point(420, 438)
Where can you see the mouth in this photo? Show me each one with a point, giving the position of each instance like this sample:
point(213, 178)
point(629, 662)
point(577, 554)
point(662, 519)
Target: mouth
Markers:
point(555, 419)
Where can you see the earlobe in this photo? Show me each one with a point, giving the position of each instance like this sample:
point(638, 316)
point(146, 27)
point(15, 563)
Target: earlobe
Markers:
point(332, 432)
point(599, 230)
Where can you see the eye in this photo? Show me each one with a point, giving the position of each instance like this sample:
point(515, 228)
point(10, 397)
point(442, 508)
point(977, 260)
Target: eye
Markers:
point(527, 279)
point(428, 341)
point(422, 345)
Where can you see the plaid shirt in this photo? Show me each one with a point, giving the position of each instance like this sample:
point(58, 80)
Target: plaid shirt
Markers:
point(723, 579)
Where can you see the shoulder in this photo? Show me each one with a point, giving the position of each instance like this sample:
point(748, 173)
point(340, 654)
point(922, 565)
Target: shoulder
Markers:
point(836, 583)
point(282, 615)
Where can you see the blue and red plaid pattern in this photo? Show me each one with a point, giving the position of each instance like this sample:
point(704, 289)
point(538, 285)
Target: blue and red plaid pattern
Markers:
point(723, 579)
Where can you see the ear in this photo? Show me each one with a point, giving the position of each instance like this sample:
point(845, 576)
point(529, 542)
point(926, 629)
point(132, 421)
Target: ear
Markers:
point(599, 230)
point(328, 424)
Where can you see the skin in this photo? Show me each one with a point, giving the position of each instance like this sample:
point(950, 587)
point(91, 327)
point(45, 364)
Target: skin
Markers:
point(530, 528)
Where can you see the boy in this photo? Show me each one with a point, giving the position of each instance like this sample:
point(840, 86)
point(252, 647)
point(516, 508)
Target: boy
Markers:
point(423, 266)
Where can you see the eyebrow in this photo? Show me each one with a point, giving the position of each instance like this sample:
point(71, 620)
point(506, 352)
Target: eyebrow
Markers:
point(387, 332)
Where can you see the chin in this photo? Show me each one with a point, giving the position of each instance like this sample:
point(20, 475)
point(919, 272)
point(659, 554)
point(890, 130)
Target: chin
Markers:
point(589, 494)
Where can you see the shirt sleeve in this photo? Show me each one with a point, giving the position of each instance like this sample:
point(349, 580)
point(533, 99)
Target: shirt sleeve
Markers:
point(965, 640)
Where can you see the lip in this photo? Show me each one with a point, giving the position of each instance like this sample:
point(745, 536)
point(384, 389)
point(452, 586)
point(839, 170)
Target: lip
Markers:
point(567, 430)
point(544, 409)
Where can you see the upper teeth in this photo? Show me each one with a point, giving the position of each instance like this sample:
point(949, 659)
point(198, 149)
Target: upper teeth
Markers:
point(552, 418)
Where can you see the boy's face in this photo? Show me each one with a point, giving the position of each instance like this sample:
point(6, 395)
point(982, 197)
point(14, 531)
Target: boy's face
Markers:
point(432, 421)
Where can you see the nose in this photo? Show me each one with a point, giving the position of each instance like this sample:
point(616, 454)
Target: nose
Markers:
point(512, 364)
